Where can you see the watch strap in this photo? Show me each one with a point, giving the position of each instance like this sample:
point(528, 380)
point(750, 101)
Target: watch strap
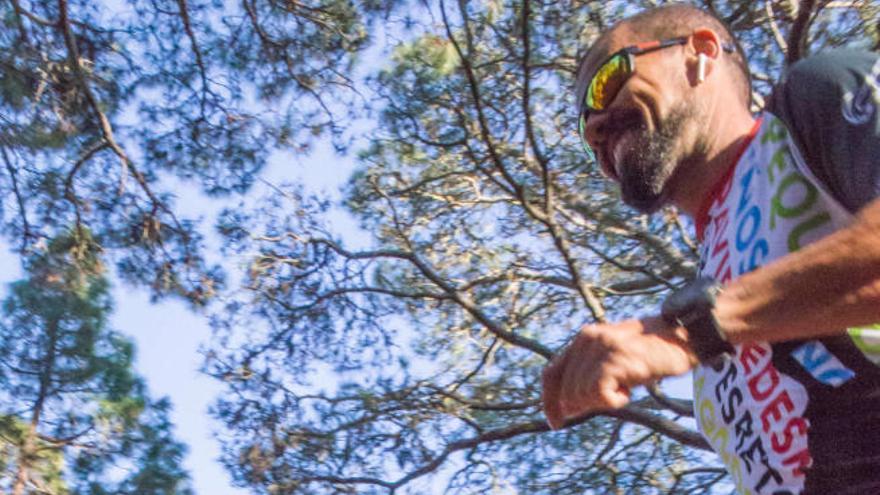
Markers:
point(691, 307)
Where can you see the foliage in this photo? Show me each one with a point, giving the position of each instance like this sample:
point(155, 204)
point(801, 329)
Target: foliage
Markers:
point(107, 109)
point(102, 102)
point(74, 412)
point(491, 240)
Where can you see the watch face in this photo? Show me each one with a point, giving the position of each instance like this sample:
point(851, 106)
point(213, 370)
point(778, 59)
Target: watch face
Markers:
point(695, 297)
point(681, 302)
point(691, 307)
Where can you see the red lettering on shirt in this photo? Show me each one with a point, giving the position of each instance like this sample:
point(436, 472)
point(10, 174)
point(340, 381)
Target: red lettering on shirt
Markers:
point(775, 409)
point(750, 355)
point(781, 443)
point(721, 266)
point(764, 383)
point(721, 197)
point(800, 460)
point(720, 222)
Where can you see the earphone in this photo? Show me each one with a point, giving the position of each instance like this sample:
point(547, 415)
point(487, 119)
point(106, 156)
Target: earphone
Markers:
point(701, 67)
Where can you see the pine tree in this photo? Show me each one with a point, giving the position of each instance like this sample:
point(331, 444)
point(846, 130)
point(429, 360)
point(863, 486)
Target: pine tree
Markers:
point(74, 412)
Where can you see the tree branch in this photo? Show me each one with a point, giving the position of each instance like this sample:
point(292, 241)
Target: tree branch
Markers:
point(13, 177)
point(800, 28)
point(632, 414)
point(197, 53)
point(774, 27)
point(73, 58)
point(587, 293)
point(453, 292)
point(678, 406)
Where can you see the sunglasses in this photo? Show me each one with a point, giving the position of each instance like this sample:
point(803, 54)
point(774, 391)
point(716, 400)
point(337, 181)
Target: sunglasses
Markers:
point(613, 74)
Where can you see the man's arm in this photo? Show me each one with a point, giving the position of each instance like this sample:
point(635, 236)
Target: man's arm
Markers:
point(827, 286)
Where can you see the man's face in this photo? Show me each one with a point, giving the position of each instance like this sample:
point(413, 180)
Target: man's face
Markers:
point(649, 127)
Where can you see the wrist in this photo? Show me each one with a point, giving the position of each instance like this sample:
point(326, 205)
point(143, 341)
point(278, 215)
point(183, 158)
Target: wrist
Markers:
point(693, 308)
point(728, 311)
point(673, 335)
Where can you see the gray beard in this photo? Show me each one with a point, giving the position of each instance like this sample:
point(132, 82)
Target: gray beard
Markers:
point(651, 160)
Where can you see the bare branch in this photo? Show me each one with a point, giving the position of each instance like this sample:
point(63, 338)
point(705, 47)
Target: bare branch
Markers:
point(74, 60)
point(587, 293)
point(453, 292)
point(197, 53)
point(85, 157)
point(678, 406)
point(797, 36)
point(631, 414)
point(774, 27)
point(31, 16)
point(22, 210)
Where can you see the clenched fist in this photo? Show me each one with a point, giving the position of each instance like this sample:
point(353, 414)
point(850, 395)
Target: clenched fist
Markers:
point(600, 366)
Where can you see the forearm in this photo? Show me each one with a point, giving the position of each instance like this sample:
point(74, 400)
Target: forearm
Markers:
point(822, 289)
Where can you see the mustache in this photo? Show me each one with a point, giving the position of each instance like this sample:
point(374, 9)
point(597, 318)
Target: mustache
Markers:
point(623, 119)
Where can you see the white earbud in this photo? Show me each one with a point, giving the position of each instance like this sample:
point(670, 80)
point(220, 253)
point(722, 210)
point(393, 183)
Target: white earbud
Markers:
point(701, 67)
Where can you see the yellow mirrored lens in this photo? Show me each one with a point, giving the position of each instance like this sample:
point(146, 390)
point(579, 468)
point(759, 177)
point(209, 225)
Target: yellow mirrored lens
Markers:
point(607, 82)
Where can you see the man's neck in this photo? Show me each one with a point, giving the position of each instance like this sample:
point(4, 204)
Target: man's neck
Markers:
point(725, 143)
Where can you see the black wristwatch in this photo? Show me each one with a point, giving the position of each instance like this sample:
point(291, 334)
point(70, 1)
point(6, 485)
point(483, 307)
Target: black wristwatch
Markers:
point(691, 307)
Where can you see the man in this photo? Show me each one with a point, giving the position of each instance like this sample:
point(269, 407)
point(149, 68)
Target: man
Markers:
point(778, 327)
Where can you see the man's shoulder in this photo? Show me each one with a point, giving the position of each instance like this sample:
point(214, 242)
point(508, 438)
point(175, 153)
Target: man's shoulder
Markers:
point(830, 103)
point(832, 62)
point(827, 78)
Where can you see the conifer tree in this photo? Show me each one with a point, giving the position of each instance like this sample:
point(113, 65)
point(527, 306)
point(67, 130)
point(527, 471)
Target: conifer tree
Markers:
point(75, 417)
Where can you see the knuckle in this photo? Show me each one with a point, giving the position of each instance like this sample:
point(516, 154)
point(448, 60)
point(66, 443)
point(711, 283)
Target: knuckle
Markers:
point(608, 339)
point(588, 331)
point(609, 396)
point(607, 370)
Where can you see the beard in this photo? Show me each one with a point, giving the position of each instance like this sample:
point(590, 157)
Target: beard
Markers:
point(651, 159)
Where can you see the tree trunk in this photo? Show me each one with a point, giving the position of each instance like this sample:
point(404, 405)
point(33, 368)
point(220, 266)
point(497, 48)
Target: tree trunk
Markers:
point(28, 447)
point(24, 461)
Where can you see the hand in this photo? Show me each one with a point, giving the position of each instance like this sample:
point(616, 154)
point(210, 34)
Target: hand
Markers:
point(603, 362)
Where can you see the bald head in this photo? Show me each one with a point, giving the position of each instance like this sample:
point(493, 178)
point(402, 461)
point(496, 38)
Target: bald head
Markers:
point(665, 22)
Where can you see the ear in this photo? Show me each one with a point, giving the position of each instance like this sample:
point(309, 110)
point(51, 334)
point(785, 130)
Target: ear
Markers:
point(704, 47)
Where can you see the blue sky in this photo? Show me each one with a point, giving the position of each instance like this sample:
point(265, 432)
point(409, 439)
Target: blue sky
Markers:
point(168, 337)
point(169, 334)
